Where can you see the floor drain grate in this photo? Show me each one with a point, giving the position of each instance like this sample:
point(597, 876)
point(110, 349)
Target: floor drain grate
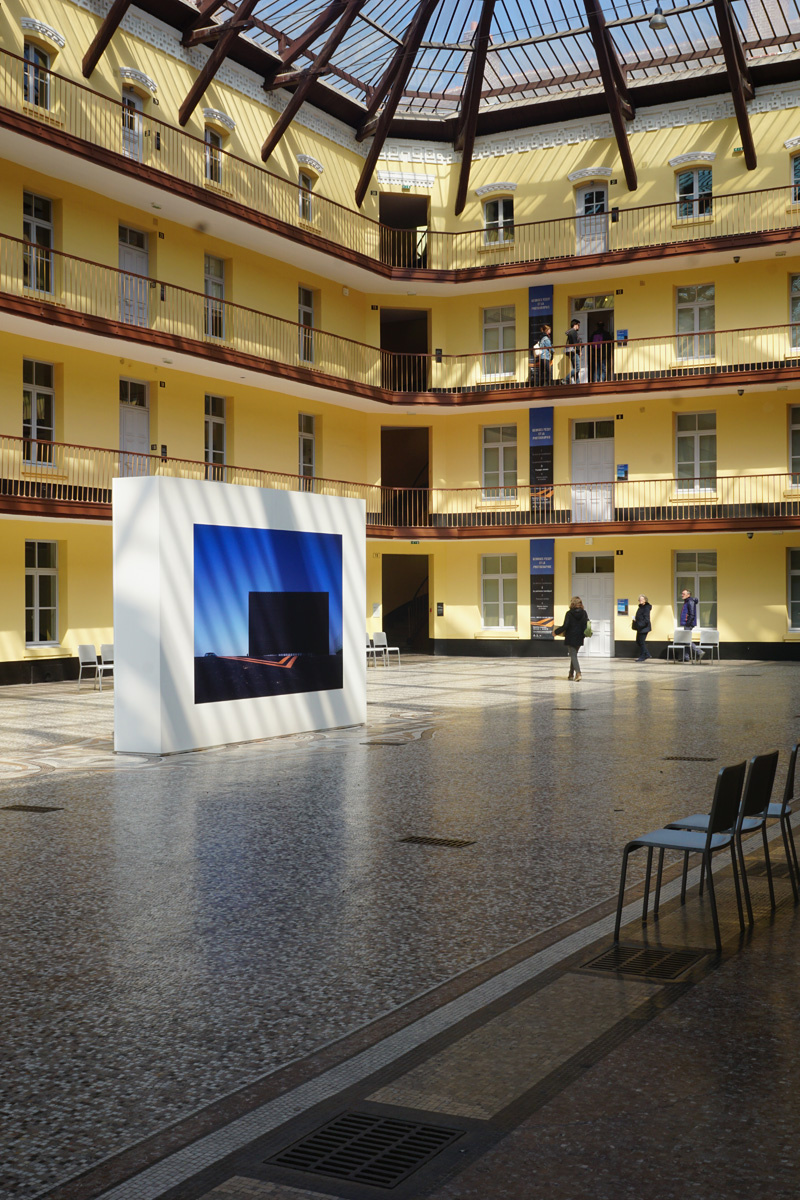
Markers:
point(645, 962)
point(685, 758)
point(377, 1151)
point(31, 808)
point(434, 841)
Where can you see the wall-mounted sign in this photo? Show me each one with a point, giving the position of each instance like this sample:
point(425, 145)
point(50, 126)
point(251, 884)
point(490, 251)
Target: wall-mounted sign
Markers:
point(439, 608)
point(541, 454)
point(622, 337)
point(542, 587)
point(622, 608)
point(622, 470)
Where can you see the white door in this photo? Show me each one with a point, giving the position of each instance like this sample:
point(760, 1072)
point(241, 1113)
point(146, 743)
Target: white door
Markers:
point(591, 222)
point(133, 282)
point(593, 470)
point(593, 581)
point(132, 122)
point(134, 439)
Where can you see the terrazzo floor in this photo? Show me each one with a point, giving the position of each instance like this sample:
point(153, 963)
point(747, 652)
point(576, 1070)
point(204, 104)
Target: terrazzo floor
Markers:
point(176, 929)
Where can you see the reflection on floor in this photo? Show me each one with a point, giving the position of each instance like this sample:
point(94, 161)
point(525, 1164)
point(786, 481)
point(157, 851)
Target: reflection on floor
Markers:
point(210, 956)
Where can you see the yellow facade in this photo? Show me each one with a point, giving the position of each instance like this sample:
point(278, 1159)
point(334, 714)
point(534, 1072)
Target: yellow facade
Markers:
point(264, 273)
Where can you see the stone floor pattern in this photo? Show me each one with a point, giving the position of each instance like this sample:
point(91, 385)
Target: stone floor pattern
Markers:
point(209, 956)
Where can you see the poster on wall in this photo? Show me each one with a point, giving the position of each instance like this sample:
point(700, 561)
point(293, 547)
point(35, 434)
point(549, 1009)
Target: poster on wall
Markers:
point(541, 463)
point(267, 612)
point(542, 587)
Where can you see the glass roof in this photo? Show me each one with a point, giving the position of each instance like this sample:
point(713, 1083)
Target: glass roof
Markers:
point(538, 48)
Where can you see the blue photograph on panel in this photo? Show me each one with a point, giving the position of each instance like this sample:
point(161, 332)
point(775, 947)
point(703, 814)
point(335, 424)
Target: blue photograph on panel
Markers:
point(267, 612)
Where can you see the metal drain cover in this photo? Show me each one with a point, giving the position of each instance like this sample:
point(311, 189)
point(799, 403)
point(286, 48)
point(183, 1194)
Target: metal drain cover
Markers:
point(435, 841)
point(645, 962)
point(31, 808)
point(377, 1151)
point(685, 758)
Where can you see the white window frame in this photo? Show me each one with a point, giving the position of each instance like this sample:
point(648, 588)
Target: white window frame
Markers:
point(687, 435)
point(38, 235)
point(697, 343)
point(125, 386)
point(36, 75)
point(306, 306)
point(794, 459)
point(498, 221)
point(792, 573)
point(696, 204)
point(693, 579)
point(507, 582)
point(305, 200)
point(216, 416)
point(214, 289)
point(213, 155)
point(499, 363)
point(506, 486)
point(796, 179)
point(38, 436)
point(306, 447)
point(794, 310)
point(35, 573)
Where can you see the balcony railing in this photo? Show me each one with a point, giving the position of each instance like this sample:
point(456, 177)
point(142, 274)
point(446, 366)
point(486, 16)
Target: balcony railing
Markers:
point(61, 288)
point(41, 477)
point(87, 121)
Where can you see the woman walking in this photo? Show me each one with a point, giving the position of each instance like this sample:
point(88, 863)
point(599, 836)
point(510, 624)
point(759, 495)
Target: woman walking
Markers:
point(641, 623)
point(545, 349)
point(574, 630)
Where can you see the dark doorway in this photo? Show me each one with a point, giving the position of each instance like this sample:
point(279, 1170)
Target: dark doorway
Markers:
point(405, 476)
point(405, 601)
point(404, 349)
point(404, 230)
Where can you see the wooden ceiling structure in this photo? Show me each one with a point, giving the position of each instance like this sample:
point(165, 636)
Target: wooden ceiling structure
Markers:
point(454, 69)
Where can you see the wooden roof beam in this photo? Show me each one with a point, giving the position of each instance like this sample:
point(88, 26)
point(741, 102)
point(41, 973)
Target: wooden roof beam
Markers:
point(104, 35)
point(215, 60)
point(283, 122)
point(292, 50)
point(470, 102)
point(402, 64)
point(741, 84)
point(204, 14)
point(619, 106)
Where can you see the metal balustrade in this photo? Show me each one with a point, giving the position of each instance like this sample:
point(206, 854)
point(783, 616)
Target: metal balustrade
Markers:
point(138, 139)
point(43, 476)
point(51, 286)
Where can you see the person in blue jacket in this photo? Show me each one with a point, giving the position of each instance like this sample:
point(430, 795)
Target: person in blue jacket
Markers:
point(641, 623)
point(689, 619)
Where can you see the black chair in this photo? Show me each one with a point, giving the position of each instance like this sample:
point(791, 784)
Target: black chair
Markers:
point(751, 817)
point(781, 811)
point(719, 835)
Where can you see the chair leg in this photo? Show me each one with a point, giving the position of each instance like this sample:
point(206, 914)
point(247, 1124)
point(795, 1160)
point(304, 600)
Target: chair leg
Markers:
point(647, 875)
point(745, 884)
point(702, 875)
point(685, 873)
point(794, 849)
point(737, 888)
point(622, 880)
point(768, 863)
point(658, 883)
point(713, 900)
point(789, 862)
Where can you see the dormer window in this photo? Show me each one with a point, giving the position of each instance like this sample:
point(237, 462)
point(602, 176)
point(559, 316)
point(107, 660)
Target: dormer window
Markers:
point(306, 183)
point(694, 193)
point(498, 221)
point(214, 158)
point(36, 75)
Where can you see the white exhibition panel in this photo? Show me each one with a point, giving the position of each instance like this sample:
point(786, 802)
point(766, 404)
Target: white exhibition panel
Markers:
point(161, 662)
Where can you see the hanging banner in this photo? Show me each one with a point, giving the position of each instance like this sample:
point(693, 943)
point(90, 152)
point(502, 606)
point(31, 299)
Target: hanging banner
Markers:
point(541, 447)
point(540, 303)
point(543, 575)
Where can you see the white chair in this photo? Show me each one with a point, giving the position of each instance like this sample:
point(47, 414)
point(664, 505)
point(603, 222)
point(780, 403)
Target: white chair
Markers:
point(380, 643)
point(372, 652)
point(106, 666)
point(709, 640)
point(681, 640)
point(87, 661)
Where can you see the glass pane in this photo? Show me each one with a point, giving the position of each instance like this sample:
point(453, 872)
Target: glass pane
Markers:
point(510, 464)
point(705, 293)
point(686, 183)
point(704, 181)
point(47, 625)
point(30, 554)
point(305, 423)
point(492, 212)
point(604, 429)
point(508, 566)
point(509, 616)
point(686, 319)
point(491, 615)
point(491, 316)
point(687, 421)
point(707, 561)
point(510, 592)
point(491, 564)
point(686, 295)
point(509, 313)
point(706, 421)
point(794, 565)
point(28, 624)
point(685, 450)
point(47, 591)
point(584, 564)
point(584, 430)
point(794, 615)
point(604, 564)
point(306, 452)
point(491, 338)
point(706, 317)
point(491, 460)
point(29, 591)
point(492, 433)
point(708, 446)
point(509, 433)
point(686, 561)
point(46, 554)
point(491, 591)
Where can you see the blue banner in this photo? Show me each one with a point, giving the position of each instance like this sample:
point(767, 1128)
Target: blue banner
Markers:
point(540, 301)
point(543, 575)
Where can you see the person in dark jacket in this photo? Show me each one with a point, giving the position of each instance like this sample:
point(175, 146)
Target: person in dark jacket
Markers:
point(689, 620)
point(641, 623)
point(576, 619)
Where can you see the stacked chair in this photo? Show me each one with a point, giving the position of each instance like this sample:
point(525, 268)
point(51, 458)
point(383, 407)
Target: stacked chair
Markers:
point(742, 805)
